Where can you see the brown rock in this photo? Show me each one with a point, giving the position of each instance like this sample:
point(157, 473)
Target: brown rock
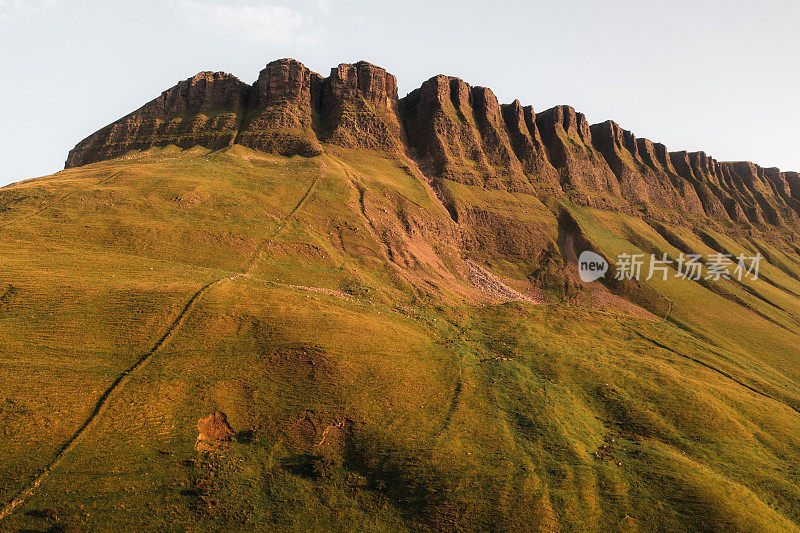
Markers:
point(284, 81)
point(215, 432)
point(441, 131)
point(459, 133)
point(348, 83)
point(793, 182)
point(643, 180)
point(359, 108)
point(280, 115)
point(709, 193)
point(763, 193)
point(495, 141)
point(526, 142)
point(583, 170)
point(454, 132)
point(204, 110)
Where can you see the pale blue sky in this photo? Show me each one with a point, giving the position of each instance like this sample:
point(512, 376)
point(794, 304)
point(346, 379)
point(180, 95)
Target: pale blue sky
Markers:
point(718, 76)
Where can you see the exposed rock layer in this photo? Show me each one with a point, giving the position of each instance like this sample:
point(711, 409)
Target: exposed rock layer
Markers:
point(288, 110)
point(204, 110)
point(455, 132)
point(214, 432)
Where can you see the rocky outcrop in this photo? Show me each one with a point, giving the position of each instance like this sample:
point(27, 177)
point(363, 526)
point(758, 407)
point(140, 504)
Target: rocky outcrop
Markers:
point(281, 110)
point(443, 134)
point(214, 432)
point(793, 182)
point(647, 181)
point(713, 200)
point(288, 110)
point(526, 141)
point(583, 171)
point(205, 110)
point(359, 108)
point(461, 133)
point(763, 194)
point(456, 133)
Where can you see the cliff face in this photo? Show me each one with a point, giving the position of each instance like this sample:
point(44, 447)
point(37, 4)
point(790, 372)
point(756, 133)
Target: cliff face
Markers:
point(458, 133)
point(454, 132)
point(526, 141)
point(288, 110)
point(648, 180)
point(281, 110)
point(359, 108)
point(204, 110)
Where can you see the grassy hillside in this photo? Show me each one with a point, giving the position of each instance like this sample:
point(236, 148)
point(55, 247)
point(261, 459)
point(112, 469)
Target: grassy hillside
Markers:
point(328, 307)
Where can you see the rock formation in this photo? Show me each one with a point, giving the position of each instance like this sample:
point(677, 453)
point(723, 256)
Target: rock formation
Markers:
point(214, 432)
point(454, 132)
point(204, 110)
point(458, 133)
point(568, 140)
point(288, 110)
point(647, 183)
point(281, 113)
point(359, 108)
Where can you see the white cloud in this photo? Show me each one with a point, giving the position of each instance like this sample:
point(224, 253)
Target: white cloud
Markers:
point(11, 10)
point(325, 6)
point(263, 24)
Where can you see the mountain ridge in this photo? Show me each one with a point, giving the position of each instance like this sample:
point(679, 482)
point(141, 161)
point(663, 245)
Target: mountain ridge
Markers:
point(455, 132)
point(394, 349)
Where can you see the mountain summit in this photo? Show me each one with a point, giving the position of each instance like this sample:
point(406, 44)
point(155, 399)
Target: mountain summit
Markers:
point(456, 132)
point(288, 110)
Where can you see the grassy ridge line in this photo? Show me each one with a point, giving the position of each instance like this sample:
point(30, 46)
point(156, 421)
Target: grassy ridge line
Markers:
point(60, 199)
point(123, 378)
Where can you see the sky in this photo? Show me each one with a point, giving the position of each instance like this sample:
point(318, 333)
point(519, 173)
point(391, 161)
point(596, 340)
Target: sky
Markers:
point(717, 76)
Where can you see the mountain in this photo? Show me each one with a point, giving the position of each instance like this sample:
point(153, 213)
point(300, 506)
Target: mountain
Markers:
point(308, 304)
point(455, 132)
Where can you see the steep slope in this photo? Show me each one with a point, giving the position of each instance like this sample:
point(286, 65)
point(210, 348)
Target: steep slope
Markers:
point(288, 110)
point(325, 306)
point(281, 111)
point(458, 133)
point(646, 175)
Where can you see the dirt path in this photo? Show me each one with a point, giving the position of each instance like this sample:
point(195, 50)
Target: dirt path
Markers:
point(321, 290)
point(256, 257)
point(714, 369)
point(103, 401)
point(125, 376)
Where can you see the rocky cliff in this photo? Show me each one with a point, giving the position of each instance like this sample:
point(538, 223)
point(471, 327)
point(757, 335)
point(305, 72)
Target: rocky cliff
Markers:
point(288, 110)
point(204, 110)
point(456, 133)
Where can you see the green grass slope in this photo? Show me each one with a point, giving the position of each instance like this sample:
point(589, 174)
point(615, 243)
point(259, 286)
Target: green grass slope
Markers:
point(326, 306)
